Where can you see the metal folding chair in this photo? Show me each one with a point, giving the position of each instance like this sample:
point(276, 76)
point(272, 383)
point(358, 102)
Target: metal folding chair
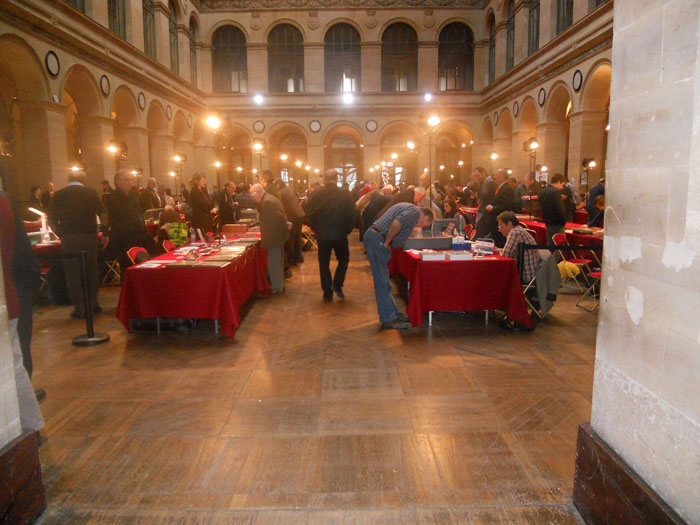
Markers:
point(591, 293)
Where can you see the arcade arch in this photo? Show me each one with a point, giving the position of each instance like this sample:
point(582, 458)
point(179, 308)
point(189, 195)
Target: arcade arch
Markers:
point(343, 153)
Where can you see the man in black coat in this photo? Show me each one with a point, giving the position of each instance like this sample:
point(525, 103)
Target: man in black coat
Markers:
point(553, 214)
point(502, 201)
point(149, 198)
point(331, 214)
point(227, 205)
point(73, 216)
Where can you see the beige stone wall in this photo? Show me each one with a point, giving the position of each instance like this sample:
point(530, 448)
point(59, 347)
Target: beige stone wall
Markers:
point(645, 398)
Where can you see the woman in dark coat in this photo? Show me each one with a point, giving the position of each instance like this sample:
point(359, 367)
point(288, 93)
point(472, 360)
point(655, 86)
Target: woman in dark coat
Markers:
point(201, 204)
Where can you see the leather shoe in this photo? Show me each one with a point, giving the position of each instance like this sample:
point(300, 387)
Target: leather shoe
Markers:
point(328, 297)
point(76, 315)
point(403, 317)
point(339, 293)
point(97, 310)
point(396, 324)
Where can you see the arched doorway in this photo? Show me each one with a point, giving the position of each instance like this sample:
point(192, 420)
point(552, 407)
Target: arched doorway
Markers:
point(343, 153)
point(553, 133)
point(290, 142)
point(398, 162)
point(453, 153)
point(88, 132)
point(589, 126)
point(240, 155)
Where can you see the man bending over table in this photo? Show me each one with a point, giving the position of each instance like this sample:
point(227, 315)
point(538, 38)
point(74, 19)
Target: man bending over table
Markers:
point(390, 231)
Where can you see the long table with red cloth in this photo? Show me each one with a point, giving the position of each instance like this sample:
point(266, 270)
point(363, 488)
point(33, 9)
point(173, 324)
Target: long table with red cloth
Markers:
point(540, 228)
point(490, 283)
point(215, 293)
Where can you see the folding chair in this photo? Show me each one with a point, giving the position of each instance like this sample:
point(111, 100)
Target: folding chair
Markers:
point(472, 234)
point(308, 236)
point(136, 254)
point(592, 293)
point(560, 238)
point(168, 245)
point(112, 274)
point(526, 288)
point(468, 229)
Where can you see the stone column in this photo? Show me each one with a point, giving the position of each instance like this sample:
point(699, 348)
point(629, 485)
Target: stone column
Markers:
point(580, 9)
point(371, 58)
point(481, 65)
point(370, 158)
point(316, 159)
point(204, 67)
point(136, 140)
point(186, 147)
point(503, 147)
point(95, 134)
point(135, 29)
point(314, 74)
point(519, 162)
point(587, 137)
point(551, 137)
point(160, 14)
point(183, 54)
point(548, 21)
point(500, 48)
point(646, 406)
point(521, 25)
point(480, 156)
point(162, 163)
point(427, 67)
point(44, 145)
point(257, 68)
point(203, 162)
point(100, 13)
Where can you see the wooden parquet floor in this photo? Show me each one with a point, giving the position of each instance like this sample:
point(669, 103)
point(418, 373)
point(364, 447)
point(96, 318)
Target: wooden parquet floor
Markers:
point(312, 415)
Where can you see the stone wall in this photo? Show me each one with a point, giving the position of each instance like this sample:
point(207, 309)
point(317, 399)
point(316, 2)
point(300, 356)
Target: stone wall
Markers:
point(645, 400)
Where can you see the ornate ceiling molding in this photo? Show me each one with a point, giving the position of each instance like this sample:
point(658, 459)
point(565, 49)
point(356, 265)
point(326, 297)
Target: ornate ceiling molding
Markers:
point(349, 4)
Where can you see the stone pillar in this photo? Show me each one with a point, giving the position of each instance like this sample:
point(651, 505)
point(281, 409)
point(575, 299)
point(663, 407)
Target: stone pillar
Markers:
point(186, 147)
point(481, 65)
point(646, 406)
point(95, 133)
point(257, 68)
point(500, 48)
point(183, 54)
point(551, 137)
point(580, 9)
point(204, 67)
point(136, 140)
point(204, 158)
point(370, 158)
point(587, 137)
point(503, 147)
point(100, 14)
point(519, 162)
point(480, 156)
point(427, 67)
point(160, 13)
point(371, 58)
point(316, 159)
point(45, 146)
point(521, 25)
point(548, 21)
point(134, 30)
point(162, 163)
point(314, 74)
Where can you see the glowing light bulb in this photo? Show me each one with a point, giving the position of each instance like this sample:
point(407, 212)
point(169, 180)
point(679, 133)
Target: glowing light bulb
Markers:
point(434, 121)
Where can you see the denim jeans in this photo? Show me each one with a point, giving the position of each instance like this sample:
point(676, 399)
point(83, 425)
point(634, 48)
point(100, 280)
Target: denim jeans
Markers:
point(378, 256)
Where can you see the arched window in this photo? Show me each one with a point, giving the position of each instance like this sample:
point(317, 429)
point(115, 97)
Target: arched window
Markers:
point(149, 28)
point(565, 15)
point(229, 61)
point(344, 155)
point(456, 58)
point(78, 4)
point(342, 58)
point(285, 60)
point(533, 27)
point(172, 28)
point(193, 52)
point(510, 37)
point(492, 49)
point(399, 58)
point(117, 17)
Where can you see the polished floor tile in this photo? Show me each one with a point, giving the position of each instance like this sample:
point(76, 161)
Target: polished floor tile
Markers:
point(311, 414)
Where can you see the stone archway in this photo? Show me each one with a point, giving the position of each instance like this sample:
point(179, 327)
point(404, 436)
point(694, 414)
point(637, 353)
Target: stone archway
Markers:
point(404, 169)
point(290, 141)
point(25, 119)
point(128, 128)
point(454, 152)
point(343, 152)
point(88, 130)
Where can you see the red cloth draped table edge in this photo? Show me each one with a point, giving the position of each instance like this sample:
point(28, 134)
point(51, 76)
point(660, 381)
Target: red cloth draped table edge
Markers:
point(193, 293)
point(482, 284)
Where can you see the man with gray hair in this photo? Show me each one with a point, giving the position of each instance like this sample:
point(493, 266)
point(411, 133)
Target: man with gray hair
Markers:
point(274, 231)
point(73, 217)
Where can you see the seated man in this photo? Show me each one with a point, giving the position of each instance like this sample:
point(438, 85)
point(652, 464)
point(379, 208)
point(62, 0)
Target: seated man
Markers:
point(515, 234)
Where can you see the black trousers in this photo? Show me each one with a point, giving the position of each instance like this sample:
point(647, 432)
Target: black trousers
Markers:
point(342, 253)
point(71, 244)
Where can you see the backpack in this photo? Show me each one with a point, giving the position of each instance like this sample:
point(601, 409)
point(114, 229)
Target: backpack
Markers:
point(178, 233)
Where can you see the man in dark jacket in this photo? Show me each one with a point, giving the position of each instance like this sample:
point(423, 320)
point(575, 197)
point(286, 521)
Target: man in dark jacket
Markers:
point(227, 206)
point(502, 201)
point(331, 214)
point(553, 206)
point(149, 198)
point(73, 216)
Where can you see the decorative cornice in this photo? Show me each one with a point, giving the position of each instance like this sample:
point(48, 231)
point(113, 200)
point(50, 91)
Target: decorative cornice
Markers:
point(247, 5)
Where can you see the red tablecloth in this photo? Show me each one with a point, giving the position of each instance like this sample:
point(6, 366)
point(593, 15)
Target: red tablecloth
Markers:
point(481, 284)
point(193, 293)
point(540, 229)
point(581, 217)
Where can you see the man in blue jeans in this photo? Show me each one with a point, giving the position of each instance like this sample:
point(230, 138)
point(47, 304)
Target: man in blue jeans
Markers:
point(390, 231)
